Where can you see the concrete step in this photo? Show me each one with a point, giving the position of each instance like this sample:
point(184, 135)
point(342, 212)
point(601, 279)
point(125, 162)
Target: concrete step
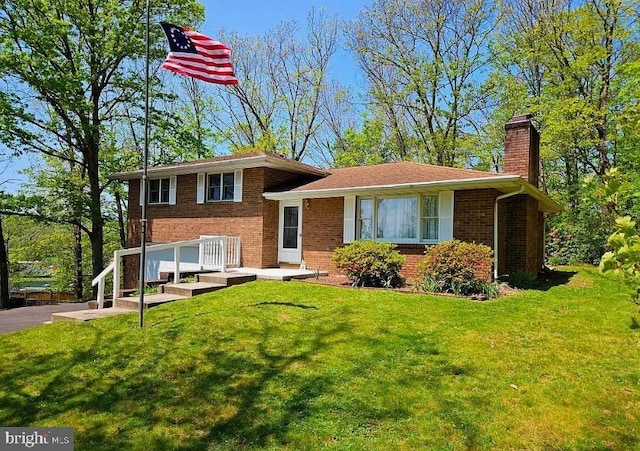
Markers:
point(150, 300)
point(191, 288)
point(107, 303)
point(168, 275)
point(87, 315)
point(226, 278)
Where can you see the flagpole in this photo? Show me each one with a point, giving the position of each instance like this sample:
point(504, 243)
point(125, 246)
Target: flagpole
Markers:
point(143, 182)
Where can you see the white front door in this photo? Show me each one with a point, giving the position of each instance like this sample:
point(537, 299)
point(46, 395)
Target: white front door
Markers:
point(290, 232)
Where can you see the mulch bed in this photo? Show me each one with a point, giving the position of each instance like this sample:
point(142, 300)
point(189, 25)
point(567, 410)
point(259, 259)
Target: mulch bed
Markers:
point(339, 280)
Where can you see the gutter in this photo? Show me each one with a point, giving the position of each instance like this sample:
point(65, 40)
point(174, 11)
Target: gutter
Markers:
point(495, 228)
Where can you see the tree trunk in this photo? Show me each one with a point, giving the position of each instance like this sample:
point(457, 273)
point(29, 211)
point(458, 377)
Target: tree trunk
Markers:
point(97, 222)
point(4, 271)
point(77, 255)
point(121, 227)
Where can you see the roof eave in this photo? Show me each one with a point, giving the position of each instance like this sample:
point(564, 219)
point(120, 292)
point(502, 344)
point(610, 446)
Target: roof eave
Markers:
point(500, 181)
point(219, 166)
point(505, 183)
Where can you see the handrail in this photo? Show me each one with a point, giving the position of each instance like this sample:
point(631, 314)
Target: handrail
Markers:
point(160, 247)
point(114, 266)
point(105, 272)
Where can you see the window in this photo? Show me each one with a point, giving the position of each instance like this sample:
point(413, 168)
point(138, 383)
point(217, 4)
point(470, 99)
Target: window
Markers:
point(429, 218)
point(408, 219)
point(365, 221)
point(290, 228)
point(220, 186)
point(159, 191)
point(397, 219)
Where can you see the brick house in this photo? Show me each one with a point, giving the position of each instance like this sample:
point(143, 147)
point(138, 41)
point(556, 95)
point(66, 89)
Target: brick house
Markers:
point(286, 212)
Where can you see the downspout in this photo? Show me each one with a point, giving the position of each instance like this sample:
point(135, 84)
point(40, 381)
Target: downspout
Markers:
point(495, 228)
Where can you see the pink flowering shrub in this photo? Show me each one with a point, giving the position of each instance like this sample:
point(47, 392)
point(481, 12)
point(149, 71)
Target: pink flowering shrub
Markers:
point(370, 264)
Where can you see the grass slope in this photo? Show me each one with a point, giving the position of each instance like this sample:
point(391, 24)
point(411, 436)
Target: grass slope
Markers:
point(301, 366)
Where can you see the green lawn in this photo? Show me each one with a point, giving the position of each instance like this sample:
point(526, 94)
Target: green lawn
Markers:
point(301, 366)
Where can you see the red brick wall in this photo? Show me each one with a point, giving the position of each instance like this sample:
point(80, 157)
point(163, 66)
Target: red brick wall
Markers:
point(322, 231)
point(524, 234)
point(322, 228)
point(473, 215)
point(522, 149)
point(254, 219)
point(519, 239)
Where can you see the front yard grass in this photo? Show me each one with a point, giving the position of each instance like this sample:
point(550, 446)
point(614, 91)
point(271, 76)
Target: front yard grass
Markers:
point(302, 366)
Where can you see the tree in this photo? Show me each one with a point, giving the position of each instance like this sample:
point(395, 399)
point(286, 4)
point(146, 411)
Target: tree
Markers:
point(282, 79)
point(570, 57)
point(4, 271)
point(623, 258)
point(423, 61)
point(71, 71)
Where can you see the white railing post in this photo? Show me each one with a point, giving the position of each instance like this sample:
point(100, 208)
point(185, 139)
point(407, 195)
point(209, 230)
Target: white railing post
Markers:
point(117, 260)
point(223, 266)
point(101, 293)
point(236, 254)
point(176, 261)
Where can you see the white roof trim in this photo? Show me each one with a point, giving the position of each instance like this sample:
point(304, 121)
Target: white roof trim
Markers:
point(220, 166)
point(338, 192)
point(505, 183)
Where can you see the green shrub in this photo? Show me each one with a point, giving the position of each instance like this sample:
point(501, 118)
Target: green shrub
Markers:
point(456, 267)
point(370, 264)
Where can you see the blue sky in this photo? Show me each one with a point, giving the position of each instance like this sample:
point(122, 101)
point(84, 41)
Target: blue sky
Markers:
point(248, 17)
point(254, 18)
point(245, 17)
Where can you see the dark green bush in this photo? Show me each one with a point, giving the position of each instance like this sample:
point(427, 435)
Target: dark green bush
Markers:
point(456, 267)
point(370, 264)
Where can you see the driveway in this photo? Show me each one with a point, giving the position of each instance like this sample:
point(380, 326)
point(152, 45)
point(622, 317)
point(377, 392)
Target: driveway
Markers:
point(23, 317)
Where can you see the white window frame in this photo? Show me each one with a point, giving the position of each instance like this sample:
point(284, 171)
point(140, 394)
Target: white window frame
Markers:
point(220, 176)
point(171, 191)
point(423, 216)
point(374, 219)
point(203, 179)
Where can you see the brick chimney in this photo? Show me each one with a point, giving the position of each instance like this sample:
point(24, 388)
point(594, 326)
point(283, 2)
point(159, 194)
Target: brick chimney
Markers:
point(522, 148)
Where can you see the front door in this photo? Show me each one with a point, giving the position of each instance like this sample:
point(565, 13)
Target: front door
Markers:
point(290, 232)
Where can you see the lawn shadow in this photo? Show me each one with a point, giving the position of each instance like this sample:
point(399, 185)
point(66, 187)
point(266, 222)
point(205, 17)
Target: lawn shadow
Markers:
point(285, 304)
point(552, 278)
point(250, 384)
point(635, 325)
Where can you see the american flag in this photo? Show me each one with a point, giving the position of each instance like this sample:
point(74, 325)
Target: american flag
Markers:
point(198, 56)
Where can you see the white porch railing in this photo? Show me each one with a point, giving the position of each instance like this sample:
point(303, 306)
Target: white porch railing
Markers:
point(212, 253)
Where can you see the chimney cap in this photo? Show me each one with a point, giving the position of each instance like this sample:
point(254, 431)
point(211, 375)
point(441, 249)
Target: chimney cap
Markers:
point(518, 120)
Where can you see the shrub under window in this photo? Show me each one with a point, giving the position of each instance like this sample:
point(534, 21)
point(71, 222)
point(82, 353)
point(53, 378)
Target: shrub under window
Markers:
point(370, 264)
point(456, 267)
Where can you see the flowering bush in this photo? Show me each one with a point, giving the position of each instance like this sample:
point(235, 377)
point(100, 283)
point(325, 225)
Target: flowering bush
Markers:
point(368, 263)
point(456, 267)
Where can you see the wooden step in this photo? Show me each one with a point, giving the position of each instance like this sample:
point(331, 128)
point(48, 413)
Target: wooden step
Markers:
point(191, 288)
point(226, 278)
point(150, 300)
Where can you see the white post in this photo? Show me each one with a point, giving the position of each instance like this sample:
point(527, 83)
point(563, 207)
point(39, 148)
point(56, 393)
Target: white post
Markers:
point(176, 261)
point(224, 254)
point(101, 293)
point(116, 277)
